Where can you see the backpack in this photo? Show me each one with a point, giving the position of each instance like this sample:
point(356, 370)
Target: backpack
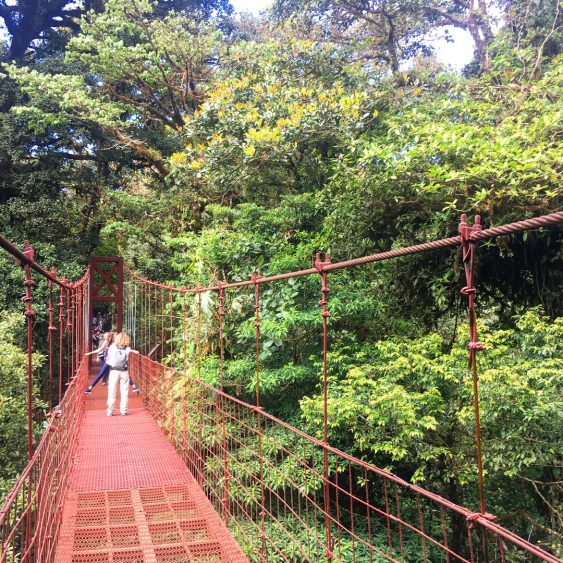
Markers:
point(120, 363)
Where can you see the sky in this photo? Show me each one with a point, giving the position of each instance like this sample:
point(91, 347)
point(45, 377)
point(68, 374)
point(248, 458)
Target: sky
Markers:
point(456, 54)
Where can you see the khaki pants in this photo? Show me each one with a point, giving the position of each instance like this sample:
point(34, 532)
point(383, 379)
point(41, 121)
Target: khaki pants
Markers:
point(122, 378)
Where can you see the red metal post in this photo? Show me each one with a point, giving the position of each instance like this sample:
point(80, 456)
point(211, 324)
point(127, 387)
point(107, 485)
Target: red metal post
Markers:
point(72, 331)
point(149, 316)
point(61, 344)
point(262, 513)
point(173, 403)
point(78, 323)
point(106, 286)
point(222, 405)
point(255, 278)
point(162, 340)
point(221, 315)
point(185, 376)
point(30, 315)
point(198, 335)
point(68, 332)
point(199, 460)
point(52, 328)
point(468, 245)
point(156, 325)
point(184, 333)
point(171, 330)
point(320, 265)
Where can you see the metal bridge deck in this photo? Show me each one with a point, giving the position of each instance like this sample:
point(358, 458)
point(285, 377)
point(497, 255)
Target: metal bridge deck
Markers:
point(131, 498)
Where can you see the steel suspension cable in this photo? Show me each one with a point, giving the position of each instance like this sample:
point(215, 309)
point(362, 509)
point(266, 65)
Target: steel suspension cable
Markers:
point(548, 220)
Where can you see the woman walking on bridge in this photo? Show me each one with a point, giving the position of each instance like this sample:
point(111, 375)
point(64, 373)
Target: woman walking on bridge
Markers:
point(102, 352)
point(118, 360)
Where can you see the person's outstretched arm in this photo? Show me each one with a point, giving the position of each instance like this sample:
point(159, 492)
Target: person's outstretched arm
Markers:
point(100, 349)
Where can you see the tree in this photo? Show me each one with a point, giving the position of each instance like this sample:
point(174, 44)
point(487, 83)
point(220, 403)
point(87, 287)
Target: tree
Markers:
point(381, 32)
point(132, 84)
point(13, 405)
point(271, 124)
point(407, 403)
point(533, 35)
point(31, 20)
point(28, 20)
point(446, 144)
point(392, 31)
point(195, 9)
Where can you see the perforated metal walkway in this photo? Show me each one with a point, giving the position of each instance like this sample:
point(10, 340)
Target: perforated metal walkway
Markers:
point(131, 498)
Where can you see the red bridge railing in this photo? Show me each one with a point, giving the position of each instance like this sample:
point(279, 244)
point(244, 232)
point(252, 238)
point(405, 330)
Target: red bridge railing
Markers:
point(285, 495)
point(30, 517)
point(269, 482)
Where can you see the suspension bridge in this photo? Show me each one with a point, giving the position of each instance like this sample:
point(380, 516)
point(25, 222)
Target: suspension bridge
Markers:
point(194, 474)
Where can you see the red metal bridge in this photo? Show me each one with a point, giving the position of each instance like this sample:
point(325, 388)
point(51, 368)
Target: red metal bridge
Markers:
point(195, 474)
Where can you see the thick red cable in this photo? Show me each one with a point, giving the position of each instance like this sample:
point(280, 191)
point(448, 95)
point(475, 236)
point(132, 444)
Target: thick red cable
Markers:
point(24, 258)
point(510, 228)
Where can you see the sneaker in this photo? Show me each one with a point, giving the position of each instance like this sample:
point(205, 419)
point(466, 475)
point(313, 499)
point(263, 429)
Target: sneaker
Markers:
point(104, 383)
point(136, 389)
point(110, 414)
point(123, 414)
point(88, 390)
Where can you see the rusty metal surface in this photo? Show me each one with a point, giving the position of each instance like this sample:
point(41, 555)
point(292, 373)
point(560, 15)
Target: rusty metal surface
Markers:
point(132, 499)
point(373, 515)
point(128, 496)
point(30, 518)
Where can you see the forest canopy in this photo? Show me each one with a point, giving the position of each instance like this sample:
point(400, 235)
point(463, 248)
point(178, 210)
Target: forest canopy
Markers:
point(204, 145)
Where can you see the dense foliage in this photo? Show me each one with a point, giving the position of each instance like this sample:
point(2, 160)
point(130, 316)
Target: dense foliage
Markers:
point(203, 147)
point(13, 401)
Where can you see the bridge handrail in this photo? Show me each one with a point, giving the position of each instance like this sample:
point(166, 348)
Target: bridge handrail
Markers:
point(43, 491)
point(478, 235)
point(474, 518)
point(26, 257)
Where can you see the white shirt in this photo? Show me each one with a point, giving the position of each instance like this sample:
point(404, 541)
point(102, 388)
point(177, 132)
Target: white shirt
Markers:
point(112, 356)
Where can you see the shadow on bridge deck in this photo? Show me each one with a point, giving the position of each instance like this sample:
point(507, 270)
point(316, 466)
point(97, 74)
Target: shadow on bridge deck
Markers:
point(131, 498)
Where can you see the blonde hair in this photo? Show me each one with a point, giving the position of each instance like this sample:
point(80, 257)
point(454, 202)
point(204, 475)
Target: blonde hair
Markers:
point(122, 339)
